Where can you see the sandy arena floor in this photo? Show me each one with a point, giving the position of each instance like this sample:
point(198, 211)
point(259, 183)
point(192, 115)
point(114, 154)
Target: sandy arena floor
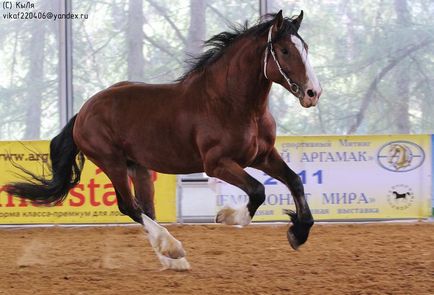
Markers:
point(338, 259)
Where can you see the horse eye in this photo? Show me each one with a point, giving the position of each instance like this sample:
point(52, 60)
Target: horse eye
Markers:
point(285, 51)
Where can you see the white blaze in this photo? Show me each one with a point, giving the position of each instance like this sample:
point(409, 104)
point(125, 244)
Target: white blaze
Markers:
point(312, 82)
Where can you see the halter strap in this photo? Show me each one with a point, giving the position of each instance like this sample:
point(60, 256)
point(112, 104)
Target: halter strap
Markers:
point(295, 88)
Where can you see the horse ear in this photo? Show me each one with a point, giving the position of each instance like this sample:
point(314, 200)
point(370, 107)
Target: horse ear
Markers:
point(278, 20)
point(297, 21)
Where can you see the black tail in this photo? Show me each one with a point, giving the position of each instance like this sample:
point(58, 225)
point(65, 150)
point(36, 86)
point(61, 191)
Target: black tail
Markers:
point(65, 169)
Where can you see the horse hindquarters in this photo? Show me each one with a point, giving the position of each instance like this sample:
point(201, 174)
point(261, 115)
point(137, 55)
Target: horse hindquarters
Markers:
point(105, 154)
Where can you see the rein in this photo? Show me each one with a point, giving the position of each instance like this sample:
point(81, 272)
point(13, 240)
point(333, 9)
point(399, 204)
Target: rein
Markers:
point(295, 88)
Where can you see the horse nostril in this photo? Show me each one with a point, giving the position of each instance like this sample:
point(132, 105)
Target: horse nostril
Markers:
point(311, 93)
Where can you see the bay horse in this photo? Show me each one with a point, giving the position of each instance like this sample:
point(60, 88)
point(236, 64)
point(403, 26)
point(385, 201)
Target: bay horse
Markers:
point(214, 119)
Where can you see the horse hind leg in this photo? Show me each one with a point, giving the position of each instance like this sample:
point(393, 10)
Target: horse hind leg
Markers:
point(143, 188)
point(132, 211)
point(168, 249)
point(117, 172)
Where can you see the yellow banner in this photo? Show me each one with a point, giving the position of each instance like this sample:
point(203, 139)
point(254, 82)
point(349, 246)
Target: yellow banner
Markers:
point(93, 200)
point(348, 177)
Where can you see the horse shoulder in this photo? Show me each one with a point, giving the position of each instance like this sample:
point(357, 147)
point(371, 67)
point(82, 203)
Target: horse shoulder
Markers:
point(266, 137)
point(266, 131)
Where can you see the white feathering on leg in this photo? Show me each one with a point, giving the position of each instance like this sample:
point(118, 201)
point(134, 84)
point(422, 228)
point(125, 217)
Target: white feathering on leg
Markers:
point(180, 264)
point(168, 249)
point(231, 216)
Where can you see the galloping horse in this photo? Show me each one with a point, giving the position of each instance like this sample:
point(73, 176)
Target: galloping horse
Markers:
point(215, 119)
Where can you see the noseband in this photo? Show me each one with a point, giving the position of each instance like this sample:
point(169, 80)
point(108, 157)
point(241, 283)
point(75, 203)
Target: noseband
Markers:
point(295, 88)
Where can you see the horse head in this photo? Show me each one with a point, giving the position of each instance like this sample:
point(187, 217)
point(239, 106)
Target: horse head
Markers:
point(286, 60)
point(399, 156)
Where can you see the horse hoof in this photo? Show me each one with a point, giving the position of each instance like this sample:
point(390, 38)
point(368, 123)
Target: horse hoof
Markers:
point(169, 247)
point(292, 239)
point(299, 232)
point(173, 253)
point(230, 216)
point(225, 216)
point(179, 264)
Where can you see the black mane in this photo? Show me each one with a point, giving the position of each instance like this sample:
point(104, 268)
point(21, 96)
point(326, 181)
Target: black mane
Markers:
point(218, 43)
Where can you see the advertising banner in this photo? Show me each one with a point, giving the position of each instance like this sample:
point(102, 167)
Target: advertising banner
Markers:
point(93, 200)
point(432, 182)
point(348, 178)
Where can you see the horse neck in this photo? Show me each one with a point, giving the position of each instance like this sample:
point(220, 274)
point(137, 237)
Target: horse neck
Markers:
point(236, 81)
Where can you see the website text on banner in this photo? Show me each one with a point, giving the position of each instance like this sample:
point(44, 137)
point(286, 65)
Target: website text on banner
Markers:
point(348, 177)
point(91, 201)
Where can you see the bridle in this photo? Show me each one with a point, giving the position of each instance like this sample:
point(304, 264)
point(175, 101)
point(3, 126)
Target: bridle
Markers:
point(295, 88)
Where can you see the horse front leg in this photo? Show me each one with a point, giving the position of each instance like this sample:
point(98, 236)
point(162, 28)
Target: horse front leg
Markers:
point(302, 219)
point(231, 172)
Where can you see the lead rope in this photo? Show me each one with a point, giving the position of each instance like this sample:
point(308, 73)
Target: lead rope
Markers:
point(292, 85)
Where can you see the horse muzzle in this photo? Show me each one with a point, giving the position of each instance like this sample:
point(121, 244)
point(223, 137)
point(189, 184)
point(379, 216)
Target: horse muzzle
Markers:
point(310, 97)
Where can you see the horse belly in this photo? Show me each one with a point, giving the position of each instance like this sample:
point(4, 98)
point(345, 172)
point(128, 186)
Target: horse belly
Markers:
point(165, 154)
point(169, 163)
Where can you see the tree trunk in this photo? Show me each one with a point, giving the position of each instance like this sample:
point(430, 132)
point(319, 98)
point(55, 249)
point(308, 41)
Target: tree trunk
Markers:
point(401, 112)
point(136, 61)
point(35, 83)
point(368, 96)
point(196, 35)
point(196, 31)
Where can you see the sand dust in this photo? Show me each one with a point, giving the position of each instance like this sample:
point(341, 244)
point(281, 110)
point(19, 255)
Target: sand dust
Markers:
point(338, 259)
